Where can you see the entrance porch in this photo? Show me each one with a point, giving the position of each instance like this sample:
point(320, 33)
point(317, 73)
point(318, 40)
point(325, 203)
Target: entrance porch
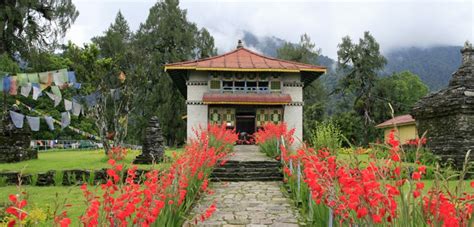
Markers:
point(246, 120)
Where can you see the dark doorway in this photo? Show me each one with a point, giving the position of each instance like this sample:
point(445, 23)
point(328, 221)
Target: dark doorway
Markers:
point(245, 121)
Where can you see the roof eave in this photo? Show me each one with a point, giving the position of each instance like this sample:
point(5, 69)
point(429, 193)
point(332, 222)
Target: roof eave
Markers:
point(381, 126)
point(245, 103)
point(317, 70)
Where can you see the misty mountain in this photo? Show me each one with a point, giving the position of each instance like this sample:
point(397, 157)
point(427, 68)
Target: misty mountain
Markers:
point(269, 45)
point(434, 65)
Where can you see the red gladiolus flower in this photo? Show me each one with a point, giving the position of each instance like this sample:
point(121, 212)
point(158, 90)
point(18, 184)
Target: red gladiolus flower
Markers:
point(65, 222)
point(376, 218)
point(208, 213)
point(416, 176)
point(472, 184)
point(12, 198)
point(397, 170)
point(420, 185)
point(422, 169)
point(395, 157)
point(416, 194)
point(362, 212)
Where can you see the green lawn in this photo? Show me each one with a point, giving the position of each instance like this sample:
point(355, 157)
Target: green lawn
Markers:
point(72, 159)
point(45, 198)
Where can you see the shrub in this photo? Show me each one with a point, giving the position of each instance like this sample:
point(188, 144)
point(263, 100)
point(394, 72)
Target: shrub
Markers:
point(117, 153)
point(58, 178)
point(268, 138)
point(327, 134)
point(381, 191)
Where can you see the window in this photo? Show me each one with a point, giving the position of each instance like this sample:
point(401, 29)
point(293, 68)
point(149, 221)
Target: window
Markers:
point(240, 85)
point(228, 85)
point(263, 86)
point(215, 84)
point(239, 76)
point(275, 85)
point(251, 86)
point(252, 76)
point(214, 75)
point(228, 76)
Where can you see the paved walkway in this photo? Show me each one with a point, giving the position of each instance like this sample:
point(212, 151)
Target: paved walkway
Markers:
point(248, 153)
point(251, 203)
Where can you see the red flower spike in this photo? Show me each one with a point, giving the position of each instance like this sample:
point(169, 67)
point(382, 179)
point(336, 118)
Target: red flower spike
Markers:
point(12, 198)
point(416, 176)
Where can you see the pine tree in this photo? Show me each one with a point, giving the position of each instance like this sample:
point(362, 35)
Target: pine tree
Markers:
point(361, 63)
point(314, 94)
point(165, 37)
point(30, 24)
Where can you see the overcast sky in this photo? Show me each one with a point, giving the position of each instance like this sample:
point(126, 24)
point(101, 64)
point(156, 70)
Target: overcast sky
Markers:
point(394, 23)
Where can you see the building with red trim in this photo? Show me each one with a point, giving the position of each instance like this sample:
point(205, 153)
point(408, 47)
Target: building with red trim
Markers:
point(243, 90)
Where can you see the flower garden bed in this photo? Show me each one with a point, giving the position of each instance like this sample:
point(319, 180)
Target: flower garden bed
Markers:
point(162, 196)
point(377, 190)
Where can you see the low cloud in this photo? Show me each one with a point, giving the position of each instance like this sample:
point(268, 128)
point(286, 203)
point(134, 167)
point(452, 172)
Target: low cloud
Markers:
point(393, 23)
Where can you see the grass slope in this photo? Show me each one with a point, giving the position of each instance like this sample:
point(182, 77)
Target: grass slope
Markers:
point(73, 159)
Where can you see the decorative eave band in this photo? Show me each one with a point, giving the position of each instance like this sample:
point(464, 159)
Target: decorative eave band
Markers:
point(295, 104)
point(195, 103)
point(248, 103)
point(245, 103)
point(196, 83)
point(293, 84)
point(242, 69)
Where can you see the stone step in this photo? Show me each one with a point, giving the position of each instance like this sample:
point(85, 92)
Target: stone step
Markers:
point(244, 169)
point(279, 178)
point(255, 164)
point(246, 174)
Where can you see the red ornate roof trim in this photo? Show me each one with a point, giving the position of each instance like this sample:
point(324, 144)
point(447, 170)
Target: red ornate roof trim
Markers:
point(246, 99)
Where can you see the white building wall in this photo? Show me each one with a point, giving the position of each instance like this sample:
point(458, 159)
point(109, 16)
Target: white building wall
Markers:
point(197, 86)
point(199, 76)
point(196, 92)
point(197, 113)
point(296, 93)
point(293, 116)
point(197, 117)
point(290, 77)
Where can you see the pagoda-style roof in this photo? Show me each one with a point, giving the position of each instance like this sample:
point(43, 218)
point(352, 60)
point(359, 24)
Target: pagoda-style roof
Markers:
point(241, 60)
point(398, 120)
point(246, 98)
point(244, 60)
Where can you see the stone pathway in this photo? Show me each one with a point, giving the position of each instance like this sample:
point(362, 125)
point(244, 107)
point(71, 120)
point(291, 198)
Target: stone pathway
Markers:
point(248, 153)
point(253, 203)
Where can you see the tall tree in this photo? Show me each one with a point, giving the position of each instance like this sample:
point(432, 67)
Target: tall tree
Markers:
point(31, 23)
point(314, 94)
point(362, 61)
point(110, 67)
point(305, 51)
point(205, 44)
point(116, 40)
point(402, 90)
point(167, 36)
